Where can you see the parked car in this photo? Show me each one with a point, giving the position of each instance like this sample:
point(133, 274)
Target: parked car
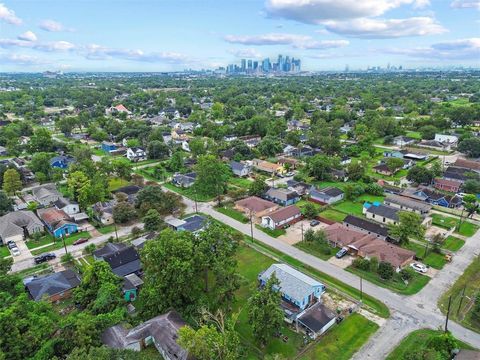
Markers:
point(15, 251)
point(290, 173)
point(419, 267)
point(314, 223)
point(11, 244)
point(341, 253)
point(80, 241)
point(44, 257)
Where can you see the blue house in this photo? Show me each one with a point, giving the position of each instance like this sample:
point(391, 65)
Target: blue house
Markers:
point(393, 154)
point(108, 146)
point(61, 162)
point(57, 221)
point(437, 198)
point(295, 287)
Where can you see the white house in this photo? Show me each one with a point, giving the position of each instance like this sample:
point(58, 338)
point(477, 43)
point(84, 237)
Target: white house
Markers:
point(136, 154)
point(69, 207)
point(281, 217)
point(451, 139)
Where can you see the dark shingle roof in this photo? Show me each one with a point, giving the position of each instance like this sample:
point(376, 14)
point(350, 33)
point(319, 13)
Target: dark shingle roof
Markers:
point(49, 285)
point(125, 261)
point(366, 225)
point(384, 211)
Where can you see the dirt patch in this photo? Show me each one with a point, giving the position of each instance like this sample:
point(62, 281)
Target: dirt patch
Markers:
point(342, 263)
point(294, 232)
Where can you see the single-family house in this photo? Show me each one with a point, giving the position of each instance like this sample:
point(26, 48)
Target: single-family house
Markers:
point(193, 224)
point(58, 222)
point(415, 156)
point(471, 165)
point(435, 145)
point(108, 146)
point(282, 196)
point(70, 207)
point(458, 174)
point(17, 225)
point(124, 261)
point(315, 320)
point(445, 138)
point(239, 169)
point(267, 167)
point(160, 331)
point(103, 212)
point(53, 287)
point(3, 151)
point(345, 160)
point(300, 187)
point(281, 217)
point(108, 249)
point(46, 194)
point(393, 154)
point(295, 287)
point(366, 226)
point(61, 161)
point(130, 190)
point(447, 185)
point(136, 154)
point(434, 197)
point(130, 287)
point(383, 169)
point(255, 206)
point(403, 141)
point(120, 108)
point(407, 204)
point(184, 180)
point(381, 213)
point(328, 195)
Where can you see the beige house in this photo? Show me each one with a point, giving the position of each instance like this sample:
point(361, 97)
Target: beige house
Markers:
point(267, 166)
point(255, 206)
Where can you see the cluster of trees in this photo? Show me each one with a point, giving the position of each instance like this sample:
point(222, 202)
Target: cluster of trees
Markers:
point(409, 226)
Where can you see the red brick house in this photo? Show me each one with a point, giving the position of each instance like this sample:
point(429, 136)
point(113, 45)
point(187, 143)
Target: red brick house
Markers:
point(447, 185)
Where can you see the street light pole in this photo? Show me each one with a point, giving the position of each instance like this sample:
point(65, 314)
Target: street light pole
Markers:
point(426, 250)
point(361, 288)
point(251, 225)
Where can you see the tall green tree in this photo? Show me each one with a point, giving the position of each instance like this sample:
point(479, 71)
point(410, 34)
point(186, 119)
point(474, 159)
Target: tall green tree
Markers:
point(12, 182)
point(212, 176)
point(409, 226)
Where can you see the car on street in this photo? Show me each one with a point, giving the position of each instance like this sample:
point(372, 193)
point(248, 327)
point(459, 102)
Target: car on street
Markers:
point(15, 251)
point(419, 267)
point(341, 253)
point(80, 241)
point(314, 223)
point(44, 257)
point(11, 244)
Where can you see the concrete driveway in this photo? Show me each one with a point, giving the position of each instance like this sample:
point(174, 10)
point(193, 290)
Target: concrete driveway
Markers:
point(294, 232)
point(24, 252)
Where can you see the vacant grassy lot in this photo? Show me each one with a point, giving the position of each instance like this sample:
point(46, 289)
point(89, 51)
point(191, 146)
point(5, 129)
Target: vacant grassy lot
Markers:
point(396, 283)
point(444, 221)
point(229, 211)
point(349, 207)
point(59, 243)
point(106, 229)
point(467, 229)
point(240, 182)
point(317, 250)
point(189, 192)
point(433, 259)
point(343, 340)
point(44, 240)
point(333, 215)
point(273, 233)
point(453, 243)
point(461, 310)
point(415, 341)
point(116, 183)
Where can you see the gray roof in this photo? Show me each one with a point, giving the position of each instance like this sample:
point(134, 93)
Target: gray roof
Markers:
point(406, 202)
point(316, 317)
point(44, 191)
point(237, 166)
point(109, 249)
point(14, 223)
point(49, 285)
point(384, 211)
point(163, 329)
point(281, 194)
point(292, 282)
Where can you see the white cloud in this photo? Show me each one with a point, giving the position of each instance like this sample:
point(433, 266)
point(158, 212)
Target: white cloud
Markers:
point(98, 52)
point(27, 36)
point(461, 49)
point(9, 16)
point(41, 46)
point(22, 59)
point(465, 4)
point(53, 26)
point(386, 28)
point(245, 53)
point(317, 11)
point(294, 40)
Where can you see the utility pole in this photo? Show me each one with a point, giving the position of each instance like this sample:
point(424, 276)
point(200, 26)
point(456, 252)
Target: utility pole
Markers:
point(461, 299)
point(251, 225)
point(302, 231)
point(426, 250)
point(195, 199)
point(448, 313)
point(64, 246)
point(361, 288)
point(116, 233)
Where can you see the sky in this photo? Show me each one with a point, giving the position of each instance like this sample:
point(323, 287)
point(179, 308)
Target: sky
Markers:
point(171, 35)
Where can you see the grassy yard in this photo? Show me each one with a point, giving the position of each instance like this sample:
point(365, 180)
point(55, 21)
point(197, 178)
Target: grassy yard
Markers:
point(273, 233)
point(4, 252)
point(240, 182)
point(444, 221)
point(414, 135)
point(470, 281)
point(316, 250)
point(59, 243)
point(396, 283)
point(433, 259)
point(106, 229)
point(415, 341)
point(467, 229)
point(234, 214)
point(333, 215)
point(349, 207)
point(453, 243)
point(116, 183)
point(189, 192)
point(343, 340)
point(38, 269)
point(44, 240)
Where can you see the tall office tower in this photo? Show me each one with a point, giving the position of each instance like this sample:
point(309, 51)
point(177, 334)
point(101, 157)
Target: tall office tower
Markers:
point(244, 64)
point(249, 65)
point(347, 68)
point(281, 63)
point(255, 65)
point(288, 64)
point(266, 65)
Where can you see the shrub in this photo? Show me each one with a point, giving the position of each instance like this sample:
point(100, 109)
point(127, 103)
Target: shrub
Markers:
point(385, 270)
point(362, 264)
point(407, 273)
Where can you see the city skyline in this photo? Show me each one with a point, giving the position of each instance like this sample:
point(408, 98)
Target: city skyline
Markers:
point(176, 35)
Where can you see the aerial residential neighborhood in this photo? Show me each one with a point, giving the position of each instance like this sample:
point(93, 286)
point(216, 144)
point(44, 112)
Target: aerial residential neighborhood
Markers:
point(271, 179)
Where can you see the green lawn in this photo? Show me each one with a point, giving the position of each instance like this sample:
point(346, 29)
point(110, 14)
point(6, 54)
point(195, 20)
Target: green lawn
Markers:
point(433, 259)
point(235, 214)
point(333, 215)
point(467, 229)
point(273, 233)
point(316, 250)
point(444, 221)
point(189, 192)
point(470, 281)
point(59, 243)
point(4, 251)
point(414, 135)
point(44, 240)
point(415, 341)
point(396, 283)
point(240, 182)
point(106, 229)
point(349, 207)
point(116, 183)
point(453, 243)
point(343, 340)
